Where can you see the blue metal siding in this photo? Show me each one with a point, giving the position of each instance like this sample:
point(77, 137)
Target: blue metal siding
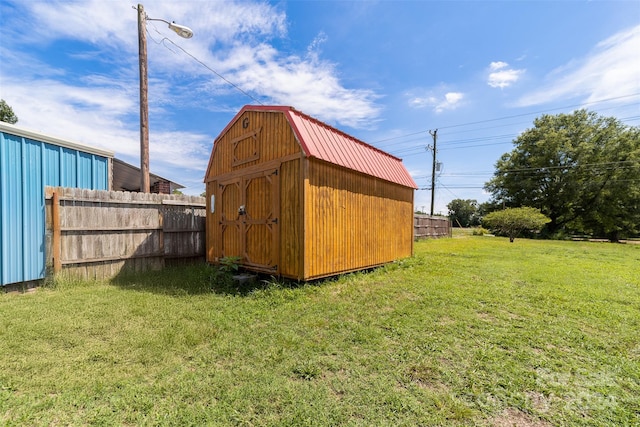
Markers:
point(100, 170)
point(33, 211)
point(11, 191)
point(68, 168)
point(26, 167)
point(51, 165)
point(85, 167)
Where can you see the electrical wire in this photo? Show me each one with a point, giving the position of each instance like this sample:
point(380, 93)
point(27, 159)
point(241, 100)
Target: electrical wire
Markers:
point(541, 111)
point(609, 165)
point(595, 169)
point(162, 41)
point(464, 143)
point(377, 143)
point(230, 83)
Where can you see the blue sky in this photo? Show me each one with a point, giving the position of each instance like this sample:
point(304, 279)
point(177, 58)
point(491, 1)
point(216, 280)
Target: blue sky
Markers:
point(385, 72)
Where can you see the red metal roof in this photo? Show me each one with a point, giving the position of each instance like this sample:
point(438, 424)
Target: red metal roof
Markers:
point(321, 141)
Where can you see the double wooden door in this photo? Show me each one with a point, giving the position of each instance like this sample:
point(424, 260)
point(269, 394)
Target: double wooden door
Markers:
point(249, 228)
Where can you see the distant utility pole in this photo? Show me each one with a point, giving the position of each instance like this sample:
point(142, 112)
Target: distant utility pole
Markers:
point(433, 170)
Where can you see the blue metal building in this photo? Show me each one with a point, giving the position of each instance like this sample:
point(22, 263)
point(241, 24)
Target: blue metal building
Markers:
point(29, 161)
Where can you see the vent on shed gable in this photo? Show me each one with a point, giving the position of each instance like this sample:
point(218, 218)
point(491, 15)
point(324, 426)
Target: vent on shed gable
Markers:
point(245, 147)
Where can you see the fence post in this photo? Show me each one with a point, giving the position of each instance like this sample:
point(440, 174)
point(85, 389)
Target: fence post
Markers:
point(161, 231)
point(57, 238)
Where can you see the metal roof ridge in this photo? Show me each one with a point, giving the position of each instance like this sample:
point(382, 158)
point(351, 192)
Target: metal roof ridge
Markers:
point(295, 117)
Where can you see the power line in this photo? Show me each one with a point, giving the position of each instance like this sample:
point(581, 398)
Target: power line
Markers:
point(449, 190)
point(419, 150)
point(414, 150)
point(480, 138)
point(206, 66)
point(477, 187)
point(507, 117)
point(541, 111)
point(618, 163)
point(453, 187)
point(477, 145)
point(459, 142)
point(401, 136)
point(596, 170)
point(610, 165)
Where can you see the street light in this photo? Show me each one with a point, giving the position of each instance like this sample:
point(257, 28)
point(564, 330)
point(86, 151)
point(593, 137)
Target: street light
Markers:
point(180, 30)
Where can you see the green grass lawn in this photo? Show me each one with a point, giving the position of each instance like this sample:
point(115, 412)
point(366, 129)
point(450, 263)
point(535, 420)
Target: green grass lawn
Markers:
point(470, 331)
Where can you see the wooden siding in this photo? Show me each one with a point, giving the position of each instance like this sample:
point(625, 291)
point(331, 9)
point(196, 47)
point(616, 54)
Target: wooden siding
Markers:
point(255, 164)
point(267, 236)
point(291, 237)
point(302, 218)
point(257, 137)
point(353, 221)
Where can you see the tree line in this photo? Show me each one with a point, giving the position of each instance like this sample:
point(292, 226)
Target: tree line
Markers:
point(580, 170)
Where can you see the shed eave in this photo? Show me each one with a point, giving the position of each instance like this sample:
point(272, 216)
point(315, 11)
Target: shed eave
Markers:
point(397, 175)
point(37, 136)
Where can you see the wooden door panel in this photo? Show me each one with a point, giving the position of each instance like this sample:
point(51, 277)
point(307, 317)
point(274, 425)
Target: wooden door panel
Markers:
point(259, 245)
point(261, 220)
point(249, 208)
point(230, 199)
point(259, 197)
point(231, 241)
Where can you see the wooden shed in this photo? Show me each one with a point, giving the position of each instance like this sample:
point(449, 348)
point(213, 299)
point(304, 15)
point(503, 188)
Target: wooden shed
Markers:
point(294, 197)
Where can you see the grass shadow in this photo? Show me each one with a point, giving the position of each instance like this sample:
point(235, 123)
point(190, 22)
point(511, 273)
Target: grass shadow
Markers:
point(198, 279)
point(188, 279)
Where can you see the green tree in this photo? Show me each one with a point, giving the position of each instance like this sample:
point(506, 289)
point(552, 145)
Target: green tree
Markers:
point(581, 170)
point(6, 113)
point(487, 207)
point(463, 213)
point(513, 221)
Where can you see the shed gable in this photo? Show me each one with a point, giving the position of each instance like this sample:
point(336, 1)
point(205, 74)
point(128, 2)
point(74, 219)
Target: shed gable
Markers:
point(253, 137)
point(243, 141)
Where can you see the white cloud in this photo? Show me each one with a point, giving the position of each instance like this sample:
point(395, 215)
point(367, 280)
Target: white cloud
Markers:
point(235, 41)
point(115, 23)
point(314, 47)
point(308, 84)
point(99, 114)
point(610, 70)
point(439, 102)
point(501, 76)
point(97, 102)
point(498, 65)
point(453, 98)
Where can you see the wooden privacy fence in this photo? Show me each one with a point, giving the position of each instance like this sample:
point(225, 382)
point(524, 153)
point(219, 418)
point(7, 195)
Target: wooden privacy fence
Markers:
point(97, 234)
point(433, 227)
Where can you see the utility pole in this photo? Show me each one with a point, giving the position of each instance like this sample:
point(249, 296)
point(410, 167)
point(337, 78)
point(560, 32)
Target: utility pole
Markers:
point(182, 31)
point(144, 105)
point(433, 169)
